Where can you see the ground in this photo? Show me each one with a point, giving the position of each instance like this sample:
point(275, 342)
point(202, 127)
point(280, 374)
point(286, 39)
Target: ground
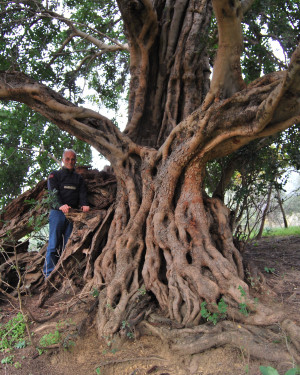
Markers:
point(81, 353)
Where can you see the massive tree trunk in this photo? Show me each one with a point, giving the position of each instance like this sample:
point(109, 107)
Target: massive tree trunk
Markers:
point(166, 235)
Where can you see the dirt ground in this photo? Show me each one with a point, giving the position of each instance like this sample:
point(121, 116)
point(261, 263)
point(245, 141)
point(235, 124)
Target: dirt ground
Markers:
point(81, 353)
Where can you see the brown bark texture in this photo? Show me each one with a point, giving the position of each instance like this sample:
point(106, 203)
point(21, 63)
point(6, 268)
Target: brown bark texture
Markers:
point(160, 242)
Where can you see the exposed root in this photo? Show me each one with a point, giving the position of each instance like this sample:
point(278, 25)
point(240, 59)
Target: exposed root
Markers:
point(134, 359)
point(42, 320)
point(256, 342)
point(293, 332)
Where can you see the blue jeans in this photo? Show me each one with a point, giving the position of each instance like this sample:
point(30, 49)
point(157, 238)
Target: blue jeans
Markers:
point(59, 232)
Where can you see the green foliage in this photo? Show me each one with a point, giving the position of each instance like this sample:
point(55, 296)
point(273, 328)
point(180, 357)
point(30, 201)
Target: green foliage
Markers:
point(257, 165)
point(95, 292)
point(65, 339)
point(142, 290)
point(8, 359)
point(254, 168)
point(269, 270)
point(67, 342)
point(243, 304)
point(12, 333)
point(215, 316)
point(50, 338)
point(31, 39)
point(265, 23)
point(37, 222)
point(127, 328)
point(17, 365)
point(20, 344)
point(26, 140)
point(272, 371)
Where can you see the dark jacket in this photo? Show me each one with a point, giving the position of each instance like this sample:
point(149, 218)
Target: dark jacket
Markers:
point(69, 188)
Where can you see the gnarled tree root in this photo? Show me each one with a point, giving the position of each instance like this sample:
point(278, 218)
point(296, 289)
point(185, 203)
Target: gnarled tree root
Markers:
point(259, 342)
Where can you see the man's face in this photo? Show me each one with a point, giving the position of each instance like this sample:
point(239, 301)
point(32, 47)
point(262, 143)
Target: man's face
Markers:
point(69, 160)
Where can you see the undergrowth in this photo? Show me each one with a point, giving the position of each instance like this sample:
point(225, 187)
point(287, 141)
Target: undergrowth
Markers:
point(12, 334)
point(273, 232)
point(272, 371)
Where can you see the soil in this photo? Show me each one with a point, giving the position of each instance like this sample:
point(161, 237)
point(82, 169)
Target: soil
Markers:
point(81, 352)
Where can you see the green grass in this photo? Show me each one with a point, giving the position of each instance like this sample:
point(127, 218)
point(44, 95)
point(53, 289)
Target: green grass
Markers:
point(272, 232)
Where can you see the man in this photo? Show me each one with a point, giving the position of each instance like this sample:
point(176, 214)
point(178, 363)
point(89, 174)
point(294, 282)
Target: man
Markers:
point(70, 192)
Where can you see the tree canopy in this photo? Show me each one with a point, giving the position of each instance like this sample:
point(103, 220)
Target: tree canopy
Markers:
point(81, 50)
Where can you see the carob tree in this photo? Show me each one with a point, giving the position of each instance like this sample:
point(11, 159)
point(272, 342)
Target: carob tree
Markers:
point(164, 233)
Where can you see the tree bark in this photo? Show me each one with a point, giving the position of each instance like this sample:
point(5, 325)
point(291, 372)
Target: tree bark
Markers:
point(265, 213)
point(164, 234)
point(281, 208)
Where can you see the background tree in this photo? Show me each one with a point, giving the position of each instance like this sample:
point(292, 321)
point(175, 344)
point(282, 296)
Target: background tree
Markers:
point(244, 178)
point(166, 232)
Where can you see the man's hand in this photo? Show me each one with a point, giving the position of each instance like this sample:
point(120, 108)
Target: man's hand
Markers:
point(65, 208)
point(85, 208)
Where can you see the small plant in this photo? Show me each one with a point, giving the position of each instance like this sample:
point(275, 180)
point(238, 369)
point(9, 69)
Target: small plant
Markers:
point(242, 291)
point(17, 365)
point(68, 343)
point(98, 371)
point(20, 344)
point(126, 327)
point(109, 306)
point(40, 351)
point(272, 371)
point(95, 292)
point(7, 360)
point(12, 333)
point(243, 309)
point(216, 316)
point(125, 324)
point(50, 339)
point(243, 305)
point(142, 290)
point(269, 270)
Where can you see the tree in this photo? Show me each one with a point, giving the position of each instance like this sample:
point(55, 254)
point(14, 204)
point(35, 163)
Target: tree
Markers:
point(166, 233)
point(250, 174)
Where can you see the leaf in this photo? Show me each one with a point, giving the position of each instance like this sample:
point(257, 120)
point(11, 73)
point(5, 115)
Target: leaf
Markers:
point(20, 344)
point(293, 371)
point(268, 370)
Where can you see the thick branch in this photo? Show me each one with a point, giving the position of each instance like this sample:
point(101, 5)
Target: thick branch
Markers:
point(142, 26)
point(227, 75)
point(83, 123)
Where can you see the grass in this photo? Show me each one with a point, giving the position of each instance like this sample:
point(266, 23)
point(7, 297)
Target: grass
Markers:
point(272, 232)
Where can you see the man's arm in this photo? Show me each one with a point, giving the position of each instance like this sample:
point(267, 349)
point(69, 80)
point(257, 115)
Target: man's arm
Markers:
point(83, 196)
point(53, 186)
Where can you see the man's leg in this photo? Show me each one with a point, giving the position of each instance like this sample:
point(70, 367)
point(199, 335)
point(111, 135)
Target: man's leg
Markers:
point(67, 233)
point(68, 227)
point(56, 228)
